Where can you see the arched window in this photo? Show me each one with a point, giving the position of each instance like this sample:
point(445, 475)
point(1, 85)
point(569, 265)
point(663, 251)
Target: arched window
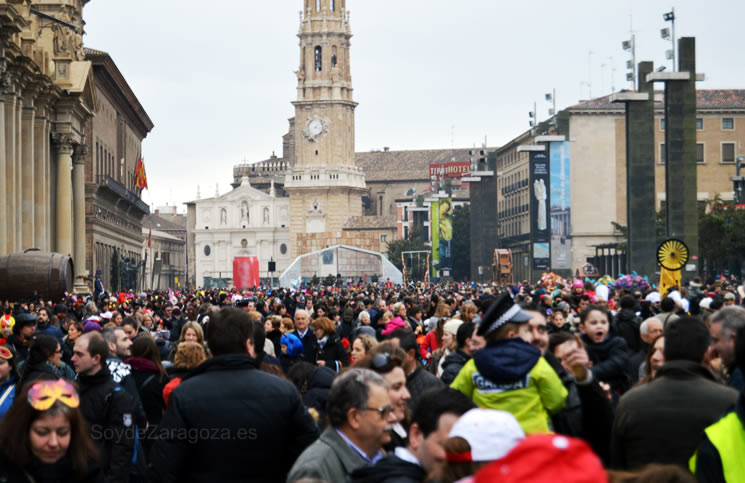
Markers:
point(333, 56)
point(266, 216)
point(333, 5)
point(223, 216)
point(244, 211)
point(318, 5)
point(318, 59)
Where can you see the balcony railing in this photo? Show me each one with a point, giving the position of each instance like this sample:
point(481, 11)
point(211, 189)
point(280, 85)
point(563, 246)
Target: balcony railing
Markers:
point(119, 189)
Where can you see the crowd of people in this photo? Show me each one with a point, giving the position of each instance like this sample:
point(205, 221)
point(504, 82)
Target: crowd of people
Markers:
point(580, 381)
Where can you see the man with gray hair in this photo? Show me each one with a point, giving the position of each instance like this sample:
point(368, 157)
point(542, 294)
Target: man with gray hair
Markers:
point(306, 336)
point(724, 325)
point(360, 416)
point(649, 330)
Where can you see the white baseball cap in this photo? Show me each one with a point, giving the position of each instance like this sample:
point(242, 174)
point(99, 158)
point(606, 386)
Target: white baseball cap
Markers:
point(490, 433)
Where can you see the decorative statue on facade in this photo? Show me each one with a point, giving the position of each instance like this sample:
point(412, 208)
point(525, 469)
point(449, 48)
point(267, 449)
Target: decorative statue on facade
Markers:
point(539, 189)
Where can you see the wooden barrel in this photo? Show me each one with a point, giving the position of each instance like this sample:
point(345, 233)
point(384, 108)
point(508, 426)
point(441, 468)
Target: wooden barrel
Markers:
point(50, 274)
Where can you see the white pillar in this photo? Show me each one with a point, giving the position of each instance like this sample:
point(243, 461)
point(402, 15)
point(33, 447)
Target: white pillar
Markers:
point(48, 236)
point(78, 196)
point(64, 195)
point(27, 175)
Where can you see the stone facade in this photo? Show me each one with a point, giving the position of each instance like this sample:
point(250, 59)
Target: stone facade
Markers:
point(324, 184)
point(310, 242)
point(164, 260)
point(114, 210)
point(597, 129)
point(243, 222)
point(47, 98)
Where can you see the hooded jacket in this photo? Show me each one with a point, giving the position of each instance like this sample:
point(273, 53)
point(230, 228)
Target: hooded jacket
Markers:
point(319, 385)
point(512, 376)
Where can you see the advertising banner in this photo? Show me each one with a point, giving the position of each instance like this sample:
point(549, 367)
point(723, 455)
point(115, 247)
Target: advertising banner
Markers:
point(540, 201)
point(446, 236)
point(561, 220)
point(245, 272)
point(450, 170)
point(434, 227)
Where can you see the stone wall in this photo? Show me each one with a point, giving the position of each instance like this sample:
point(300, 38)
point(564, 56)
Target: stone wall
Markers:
point(310, 242)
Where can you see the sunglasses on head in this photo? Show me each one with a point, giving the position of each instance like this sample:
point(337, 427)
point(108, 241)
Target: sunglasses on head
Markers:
point(44, 394)
point(381, 360)
point(5, 353)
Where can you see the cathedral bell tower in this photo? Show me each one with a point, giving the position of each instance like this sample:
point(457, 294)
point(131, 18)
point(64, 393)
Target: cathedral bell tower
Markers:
point(324, 184)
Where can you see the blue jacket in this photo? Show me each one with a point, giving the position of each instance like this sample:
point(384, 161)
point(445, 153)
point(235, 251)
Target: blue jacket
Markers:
point(10, 383)
point(50, 329)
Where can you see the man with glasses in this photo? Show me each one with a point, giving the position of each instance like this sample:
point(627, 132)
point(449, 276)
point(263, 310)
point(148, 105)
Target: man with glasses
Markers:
point(360, 415)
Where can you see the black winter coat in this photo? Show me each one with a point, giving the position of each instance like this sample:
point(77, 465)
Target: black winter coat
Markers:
point(229, 421)
point(452, 365)
point(43, 473)
point(663, 421)
point(587, 414)
point(150, 386)
point(333, 351)
point(310, 343)
point(610, 362)
point(419, 381)
point(390, 469)
point(111, 413)
point(627, 325)
point(319, 385)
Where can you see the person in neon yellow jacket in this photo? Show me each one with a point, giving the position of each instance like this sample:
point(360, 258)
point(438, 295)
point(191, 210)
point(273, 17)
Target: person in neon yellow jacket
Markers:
point(509, 373)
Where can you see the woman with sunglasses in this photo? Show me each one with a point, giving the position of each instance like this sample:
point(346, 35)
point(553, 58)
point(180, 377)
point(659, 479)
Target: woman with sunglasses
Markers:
point(8, 379)
point(388, 361)
point(45, 361)
point(45, 438)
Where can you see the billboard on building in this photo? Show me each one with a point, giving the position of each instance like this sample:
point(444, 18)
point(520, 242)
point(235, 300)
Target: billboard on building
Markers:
point(561, 220)
point(434, 228)
point(450, 170)
point(446, 235)
point(245, 272)
point(540, 201)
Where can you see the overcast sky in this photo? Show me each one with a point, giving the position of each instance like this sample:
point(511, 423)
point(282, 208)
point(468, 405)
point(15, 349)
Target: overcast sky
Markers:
point(217, 77)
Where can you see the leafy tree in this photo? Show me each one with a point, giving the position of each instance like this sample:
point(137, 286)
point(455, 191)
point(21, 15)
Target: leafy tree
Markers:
point(460, 245)
point(721, 243)
point(414, 243)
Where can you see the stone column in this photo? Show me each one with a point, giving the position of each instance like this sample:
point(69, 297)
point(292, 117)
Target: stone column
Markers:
point(40, 127)
point(3, 186)
point(27, 174)
point(78, 197)
point(10, 156)
point(18, 180)
point(63, 216)
point(48, 225)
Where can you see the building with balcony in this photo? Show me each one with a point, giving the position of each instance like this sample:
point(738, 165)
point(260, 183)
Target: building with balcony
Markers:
point(114, 211)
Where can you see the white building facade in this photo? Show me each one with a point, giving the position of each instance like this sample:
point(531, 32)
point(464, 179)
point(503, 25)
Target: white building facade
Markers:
point(244, 222)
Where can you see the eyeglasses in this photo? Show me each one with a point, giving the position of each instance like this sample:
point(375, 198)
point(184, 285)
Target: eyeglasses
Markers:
point(381, 360)
point(44, 394)
point(383, 412)
point(5, 353)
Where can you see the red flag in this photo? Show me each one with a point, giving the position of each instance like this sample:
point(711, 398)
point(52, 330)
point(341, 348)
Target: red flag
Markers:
point(149, 237)
point(140, 176)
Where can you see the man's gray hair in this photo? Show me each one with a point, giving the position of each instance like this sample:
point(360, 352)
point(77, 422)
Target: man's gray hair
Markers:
point(350, 390)
point(732, 318)
point(644, 328)
point(301, 311)
point(109, 333)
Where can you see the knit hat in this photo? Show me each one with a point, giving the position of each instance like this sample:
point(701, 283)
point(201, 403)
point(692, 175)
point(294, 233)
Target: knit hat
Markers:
point(501, 311)
point(490, 433)
point(90, 326)
point(451, 326)
point(546, 458)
